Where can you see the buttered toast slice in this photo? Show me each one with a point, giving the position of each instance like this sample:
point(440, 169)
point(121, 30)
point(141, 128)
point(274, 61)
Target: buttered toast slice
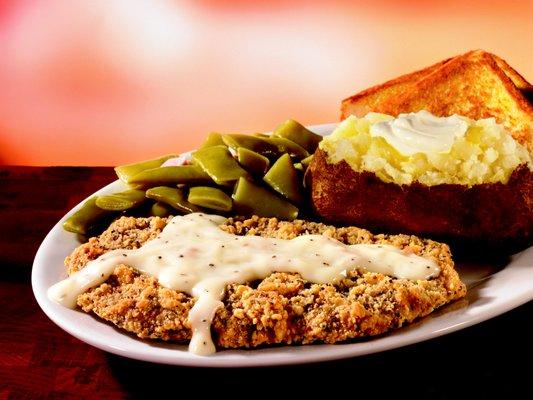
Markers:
point(476, 84)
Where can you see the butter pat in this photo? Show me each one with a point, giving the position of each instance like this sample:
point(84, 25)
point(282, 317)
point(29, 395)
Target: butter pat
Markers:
point(421, 132)
point(421, 147)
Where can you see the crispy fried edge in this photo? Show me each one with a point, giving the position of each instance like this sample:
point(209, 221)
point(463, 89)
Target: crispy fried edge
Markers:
point(282, 308)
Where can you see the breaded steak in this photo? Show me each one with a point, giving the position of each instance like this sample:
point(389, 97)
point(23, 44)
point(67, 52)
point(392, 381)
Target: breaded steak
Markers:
point(282, 308)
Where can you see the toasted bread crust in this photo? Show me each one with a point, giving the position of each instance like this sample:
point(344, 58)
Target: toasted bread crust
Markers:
point(363, 102)
point(282, 308)
point(474, 85)
point(490, 213)
point(518, 80)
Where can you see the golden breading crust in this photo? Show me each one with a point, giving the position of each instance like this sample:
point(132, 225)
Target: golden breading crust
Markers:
point(283, 308)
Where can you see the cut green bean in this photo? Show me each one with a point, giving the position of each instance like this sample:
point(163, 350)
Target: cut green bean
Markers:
point(210, 197)
point(283, 178)
point(213, 139)
point(288, 146)
point(86, 217)
point(121, 201)
point(172, 175)
point(278, 163)
point(252, 161)
point(306, 161)
point(299, 134)
point(250, 199)
point(258, 144)
point(219, 164)
point(174, 197)
point(161, 210)
point(126, 172)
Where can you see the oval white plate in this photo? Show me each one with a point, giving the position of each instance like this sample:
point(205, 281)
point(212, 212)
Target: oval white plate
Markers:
point(492, 291)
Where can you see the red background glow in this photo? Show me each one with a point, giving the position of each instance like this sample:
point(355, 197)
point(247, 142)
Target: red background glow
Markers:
point(105, 82)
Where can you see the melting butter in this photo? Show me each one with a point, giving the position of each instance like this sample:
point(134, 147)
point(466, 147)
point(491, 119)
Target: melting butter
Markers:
point(421, 132)
point(193, 255)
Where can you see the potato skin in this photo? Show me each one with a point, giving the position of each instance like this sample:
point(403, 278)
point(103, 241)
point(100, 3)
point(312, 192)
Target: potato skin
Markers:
point(489, 213)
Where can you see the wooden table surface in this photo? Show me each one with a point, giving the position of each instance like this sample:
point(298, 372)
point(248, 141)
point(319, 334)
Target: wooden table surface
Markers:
point(39, 360)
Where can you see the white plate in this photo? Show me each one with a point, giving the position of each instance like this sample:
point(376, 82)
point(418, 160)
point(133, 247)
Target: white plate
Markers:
point(492, 291)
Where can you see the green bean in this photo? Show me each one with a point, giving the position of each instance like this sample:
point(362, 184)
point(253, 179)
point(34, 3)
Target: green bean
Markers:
point(285, 145)
point(126, 172)
point(213, 139)
point(171, 175)
point(218, 163)
point(306, 161)
point(174, 197)
point(210, 197)
point(267, 146)
point(161, 210)
point(86, 217)
point(283, 178)
point(250, 199)
point(252, 161)
point(121, 201)
point(254, 143)
point(213, 163)
point(298, 133)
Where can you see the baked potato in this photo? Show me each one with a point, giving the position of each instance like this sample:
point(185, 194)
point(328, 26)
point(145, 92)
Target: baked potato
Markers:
point(467, 194)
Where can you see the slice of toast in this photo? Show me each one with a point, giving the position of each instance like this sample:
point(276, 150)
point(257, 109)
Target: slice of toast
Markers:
point(372, 98)
point(519, 81)
point(476, 84)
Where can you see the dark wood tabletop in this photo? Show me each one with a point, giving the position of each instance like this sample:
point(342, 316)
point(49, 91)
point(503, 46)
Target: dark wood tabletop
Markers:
point(39, 360)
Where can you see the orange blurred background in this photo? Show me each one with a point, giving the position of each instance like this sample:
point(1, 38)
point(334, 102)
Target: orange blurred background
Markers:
point(106, 82)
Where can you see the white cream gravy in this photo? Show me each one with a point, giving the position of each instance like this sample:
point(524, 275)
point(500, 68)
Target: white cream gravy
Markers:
point(193, 255)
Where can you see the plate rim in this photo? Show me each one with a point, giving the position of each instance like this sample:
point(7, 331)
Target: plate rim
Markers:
point(268, 356)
